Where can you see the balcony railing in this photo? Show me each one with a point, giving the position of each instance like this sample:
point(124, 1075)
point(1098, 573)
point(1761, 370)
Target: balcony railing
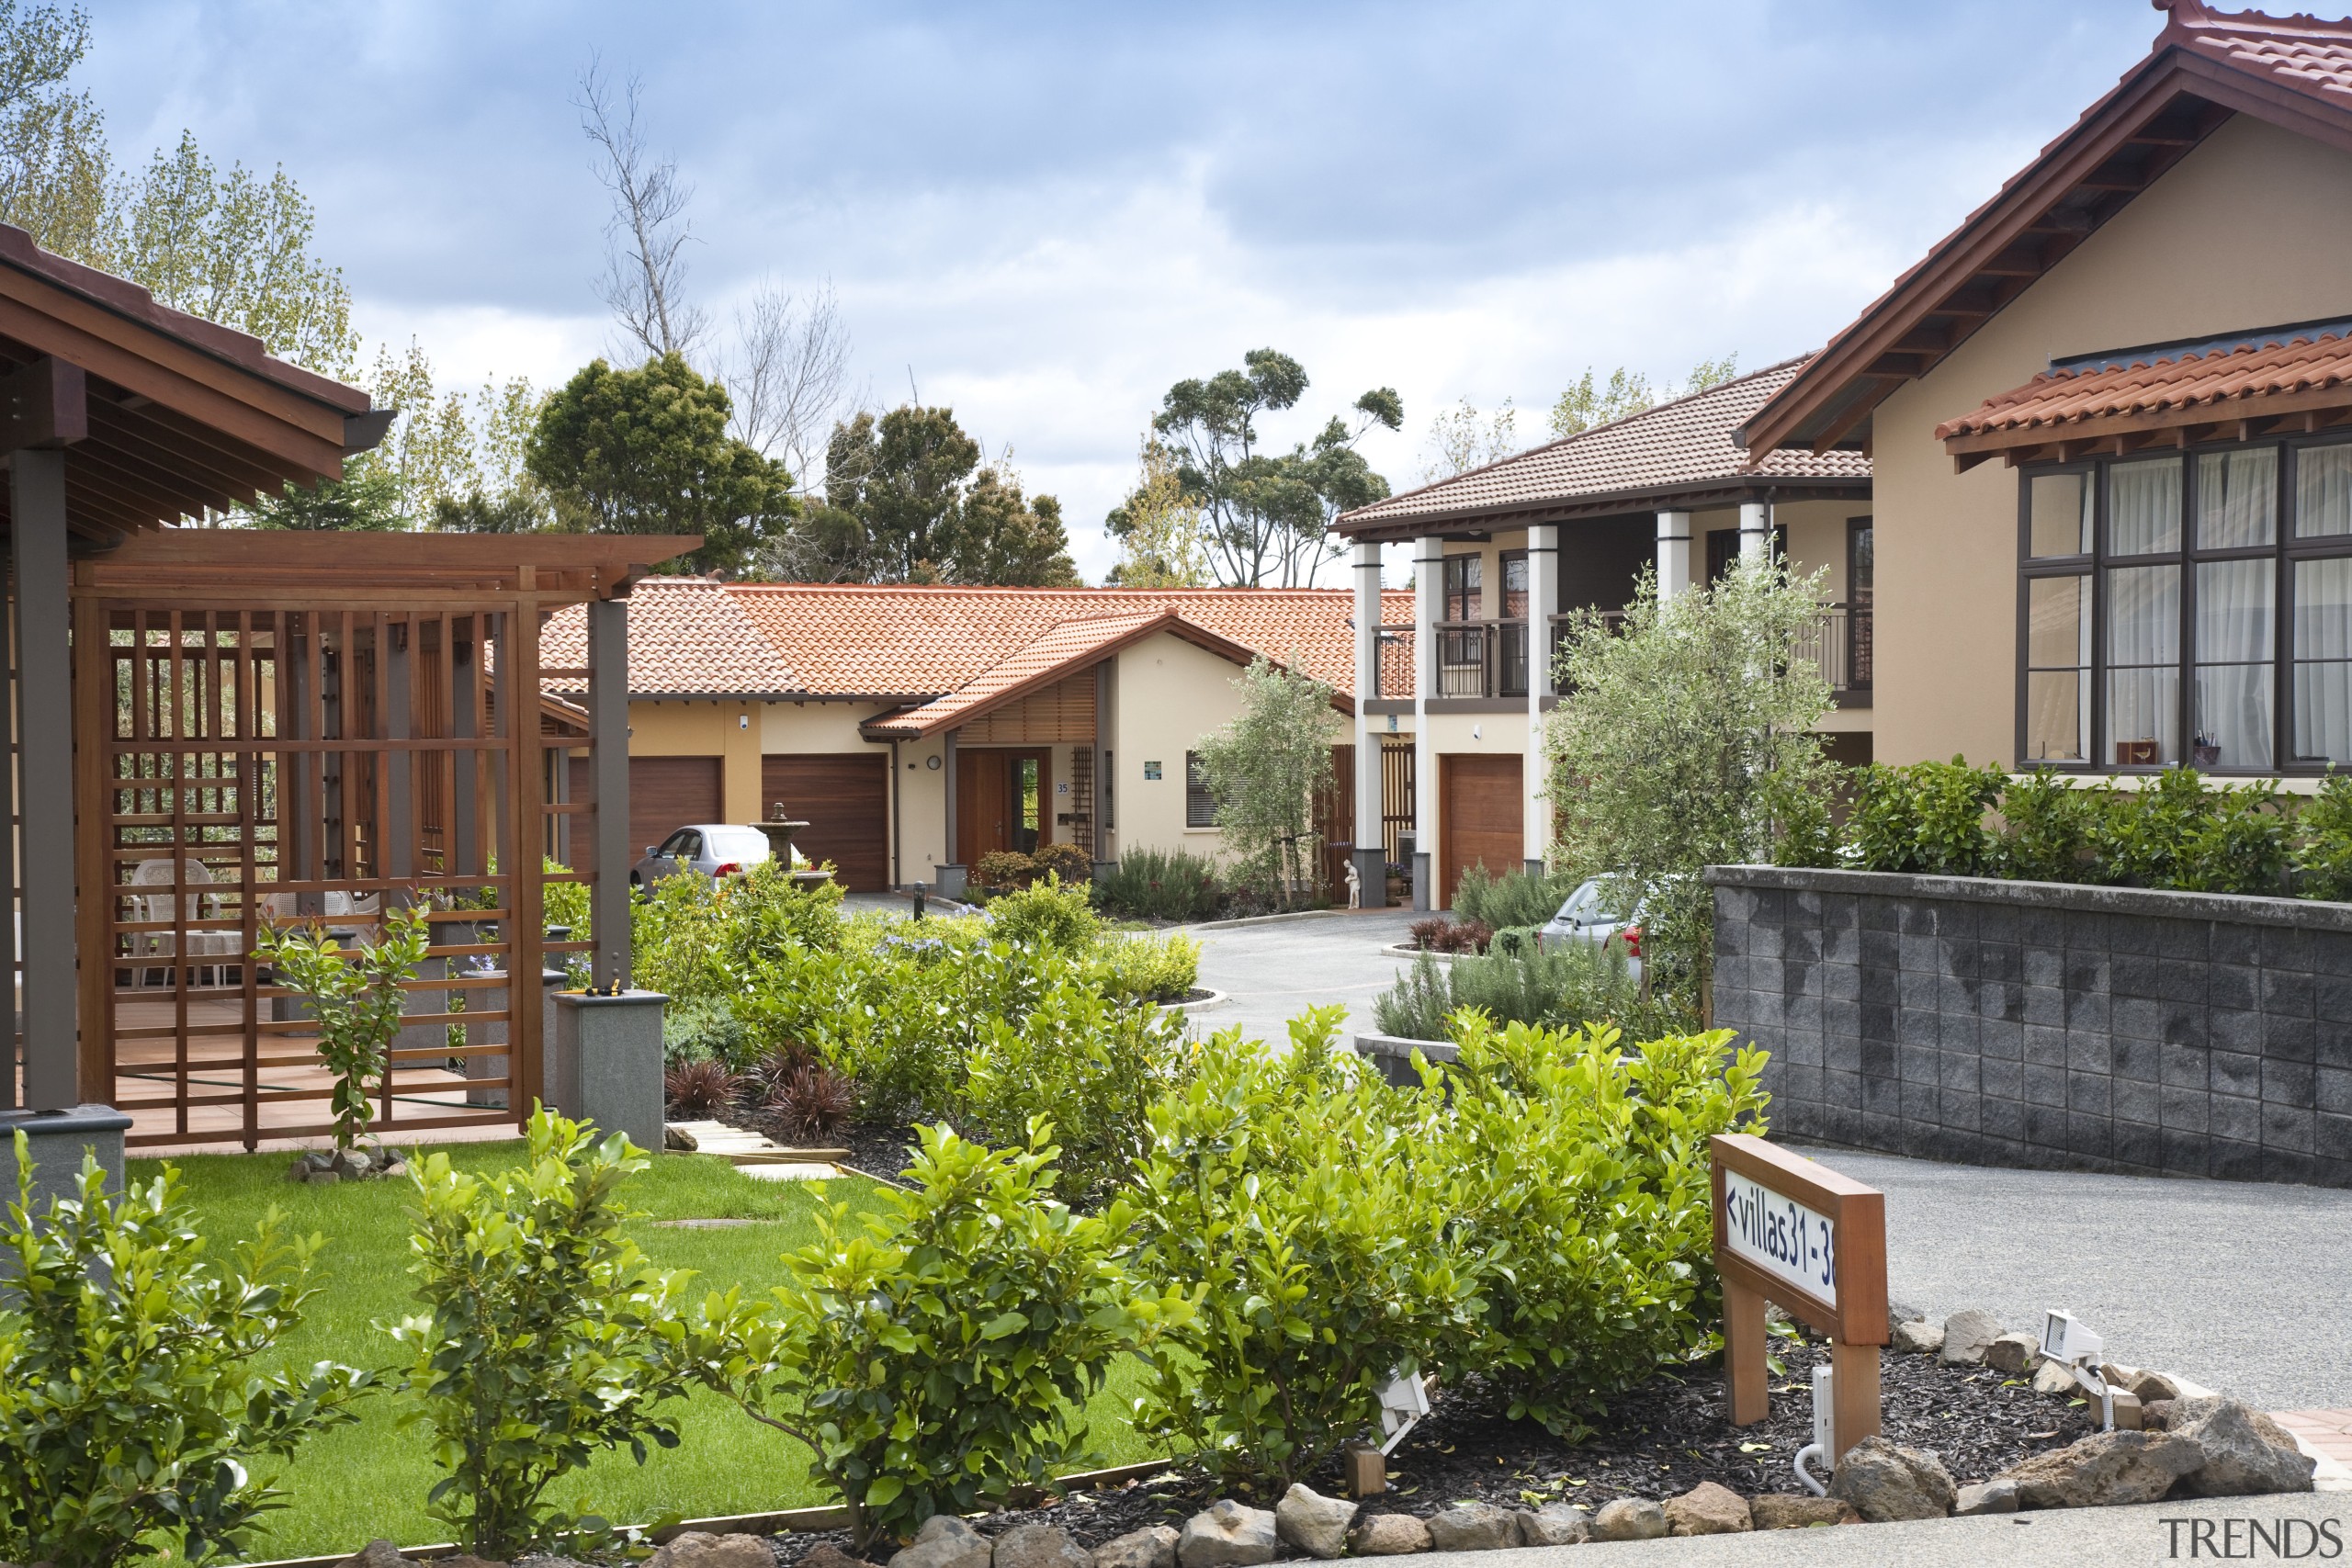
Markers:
point(1489, 658)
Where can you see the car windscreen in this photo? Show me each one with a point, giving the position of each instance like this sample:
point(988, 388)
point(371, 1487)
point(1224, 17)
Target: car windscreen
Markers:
point(745, 844)
point(1589, 906)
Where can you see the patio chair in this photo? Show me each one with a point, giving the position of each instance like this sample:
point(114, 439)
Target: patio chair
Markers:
point(157, 908)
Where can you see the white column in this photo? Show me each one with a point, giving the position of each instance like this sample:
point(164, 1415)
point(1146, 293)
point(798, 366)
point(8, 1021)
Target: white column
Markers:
point(1543, 604)
point(1673, 554)
point(1428, 608)
point(1755, 529)
point(1370, 855)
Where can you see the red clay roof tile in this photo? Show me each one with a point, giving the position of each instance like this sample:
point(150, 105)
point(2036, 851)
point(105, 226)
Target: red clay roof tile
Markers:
point(2185, 383)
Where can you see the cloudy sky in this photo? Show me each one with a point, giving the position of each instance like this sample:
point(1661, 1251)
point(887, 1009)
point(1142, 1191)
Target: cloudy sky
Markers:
point(1043, 215)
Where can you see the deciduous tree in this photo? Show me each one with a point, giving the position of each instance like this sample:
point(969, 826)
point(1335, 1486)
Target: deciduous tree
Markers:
point(1158, 527)
point(1589, 403)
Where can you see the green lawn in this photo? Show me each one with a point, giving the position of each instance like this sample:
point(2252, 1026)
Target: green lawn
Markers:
point(371, 1479)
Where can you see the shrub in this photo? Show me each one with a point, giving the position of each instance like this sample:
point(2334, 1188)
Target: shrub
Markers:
point(1574, 983)
point(130, 1404)
point(2050, 830)
point(1068, 861)
point(701, 1089)
point(1517, 897)
point(2323, 861)
point(1048, 914)
point(939, 1363)
point(812, 1100)
point(355, 997)
point(1583, 1178)
point(1003, 869)
point(1928, 818)
point(704, 1030)
point(1093, 1064)
point(1146, 968)
point(695, 938)
point(1285, 1195)
point(1442, 933)
point(546, 1336)
point(1160, 884)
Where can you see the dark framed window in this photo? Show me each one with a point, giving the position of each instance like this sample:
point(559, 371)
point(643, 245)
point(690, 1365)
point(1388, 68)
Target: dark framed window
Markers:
point(1199, 806)
point(1463, 582)
point(1722, 548)
point(2190, 607)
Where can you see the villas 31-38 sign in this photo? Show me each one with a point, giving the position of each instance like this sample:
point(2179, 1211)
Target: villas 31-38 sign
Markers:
point(1781, 1236)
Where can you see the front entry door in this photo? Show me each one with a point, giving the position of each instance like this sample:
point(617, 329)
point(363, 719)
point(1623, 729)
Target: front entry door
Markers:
point(1001, 801)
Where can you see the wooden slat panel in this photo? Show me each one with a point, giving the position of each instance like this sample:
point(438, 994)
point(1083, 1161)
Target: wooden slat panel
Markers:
point(666, 794)
point(1481, 816)
point(845, 799)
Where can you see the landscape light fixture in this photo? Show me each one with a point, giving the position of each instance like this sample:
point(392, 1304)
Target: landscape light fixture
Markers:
point(1402, 1404)
point(2066, 1341)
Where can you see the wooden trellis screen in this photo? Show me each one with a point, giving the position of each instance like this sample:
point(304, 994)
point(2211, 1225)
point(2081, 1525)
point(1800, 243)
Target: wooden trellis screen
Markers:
point(274, 754)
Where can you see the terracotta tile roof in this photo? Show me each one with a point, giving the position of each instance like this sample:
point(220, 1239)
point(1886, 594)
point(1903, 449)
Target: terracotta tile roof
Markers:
point(1686, 443)
point(687, 637)
point(2180, 385)
point(1066, 648)
point(692, 636)
point(2308, 54)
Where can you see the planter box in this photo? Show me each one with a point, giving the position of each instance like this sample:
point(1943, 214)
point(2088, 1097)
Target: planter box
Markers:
point(1393, 1054)
point(2034, 1023)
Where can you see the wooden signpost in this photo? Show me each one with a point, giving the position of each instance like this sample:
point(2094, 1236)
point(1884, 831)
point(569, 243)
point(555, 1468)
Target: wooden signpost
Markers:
point(1790, 1231)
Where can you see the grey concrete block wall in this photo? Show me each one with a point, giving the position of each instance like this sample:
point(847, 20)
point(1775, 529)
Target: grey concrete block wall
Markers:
point(2041, 1024)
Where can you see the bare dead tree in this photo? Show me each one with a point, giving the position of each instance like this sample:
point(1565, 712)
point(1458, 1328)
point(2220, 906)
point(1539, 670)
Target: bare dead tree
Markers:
point(645, 237)
point(788, 376)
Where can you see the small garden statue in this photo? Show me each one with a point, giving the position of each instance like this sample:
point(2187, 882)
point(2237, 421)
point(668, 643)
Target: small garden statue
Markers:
point(356, 997)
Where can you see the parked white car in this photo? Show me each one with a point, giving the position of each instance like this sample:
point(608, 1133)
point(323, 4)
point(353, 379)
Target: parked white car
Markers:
point(714, 849)
point(1588, 916)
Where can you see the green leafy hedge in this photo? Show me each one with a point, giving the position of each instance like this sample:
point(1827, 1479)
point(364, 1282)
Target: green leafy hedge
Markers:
point(2179, 832)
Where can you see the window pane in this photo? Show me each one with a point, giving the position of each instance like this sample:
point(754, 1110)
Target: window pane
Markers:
point(2144, 665)
point(2058, 623)
point(2143, 507)
point(2237, 498)
point(2324, 491)
point(2058, 658)
point(2060, 509)
point(2235, 609)
point(2323, 643)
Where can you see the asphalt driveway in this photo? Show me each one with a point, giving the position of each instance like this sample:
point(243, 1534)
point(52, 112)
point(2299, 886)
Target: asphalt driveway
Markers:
point(1277, 970)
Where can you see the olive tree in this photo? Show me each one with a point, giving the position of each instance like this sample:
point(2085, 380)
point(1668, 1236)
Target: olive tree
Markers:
point(1685, 739)
point(1264, 769)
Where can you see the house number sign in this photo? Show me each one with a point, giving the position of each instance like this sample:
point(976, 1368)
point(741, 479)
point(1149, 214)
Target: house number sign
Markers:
point(1793, 1231)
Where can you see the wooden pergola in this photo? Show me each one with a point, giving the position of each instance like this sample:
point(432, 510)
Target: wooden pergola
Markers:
point(219, 729)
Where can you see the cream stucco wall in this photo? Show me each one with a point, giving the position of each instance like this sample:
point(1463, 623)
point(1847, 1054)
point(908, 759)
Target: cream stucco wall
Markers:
point(2250, 230)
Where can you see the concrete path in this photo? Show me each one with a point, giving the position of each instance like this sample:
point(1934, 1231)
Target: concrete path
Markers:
point(1277, 970)
point(2072, 1538)
point(2241, 1286)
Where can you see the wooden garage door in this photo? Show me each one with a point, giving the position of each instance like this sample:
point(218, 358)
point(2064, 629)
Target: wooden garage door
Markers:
point(845, 799)
point(665, 794)
point(1481, 818)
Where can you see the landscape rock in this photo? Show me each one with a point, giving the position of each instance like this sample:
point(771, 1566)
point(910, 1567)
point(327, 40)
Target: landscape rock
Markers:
point(1151, 1547)
point(1629, 1519)
point(2157, 1414)
point(679, 1141)
point(946, 1542)
point(1315, 1524)
point(378, 1553)
point(1040, 1546)
point(1885, 1481)
point(1554, 1524)
point(700, 1548)
point(1708, 1509)
point(1918, 1338)
point(1473, 1526)
point(1904, 1312)
point(1388, 1534)
point(2011, 1353)
point(1226, 1532)
point(322, 1178)
point(2153, 1386)
point(2103, 1469)
point(354, 1162)
point(1968, 1334)
point(2241, 1459)
point(1781, 1512)
point(2116, 1375)
point(2054, 1378)
point(828, 1555)
point(1985, 1497)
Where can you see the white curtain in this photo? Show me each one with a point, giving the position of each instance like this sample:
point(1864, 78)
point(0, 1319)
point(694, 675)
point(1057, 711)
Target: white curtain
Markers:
point(2143, 658)
point(2236, 628)
point(2143, 507)
point(2323, 645)
point(2058, 657)
point(2324, 491)
point(2237, 498)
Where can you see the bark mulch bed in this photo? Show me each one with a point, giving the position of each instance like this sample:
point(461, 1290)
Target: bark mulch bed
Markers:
point(1657, 1442)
